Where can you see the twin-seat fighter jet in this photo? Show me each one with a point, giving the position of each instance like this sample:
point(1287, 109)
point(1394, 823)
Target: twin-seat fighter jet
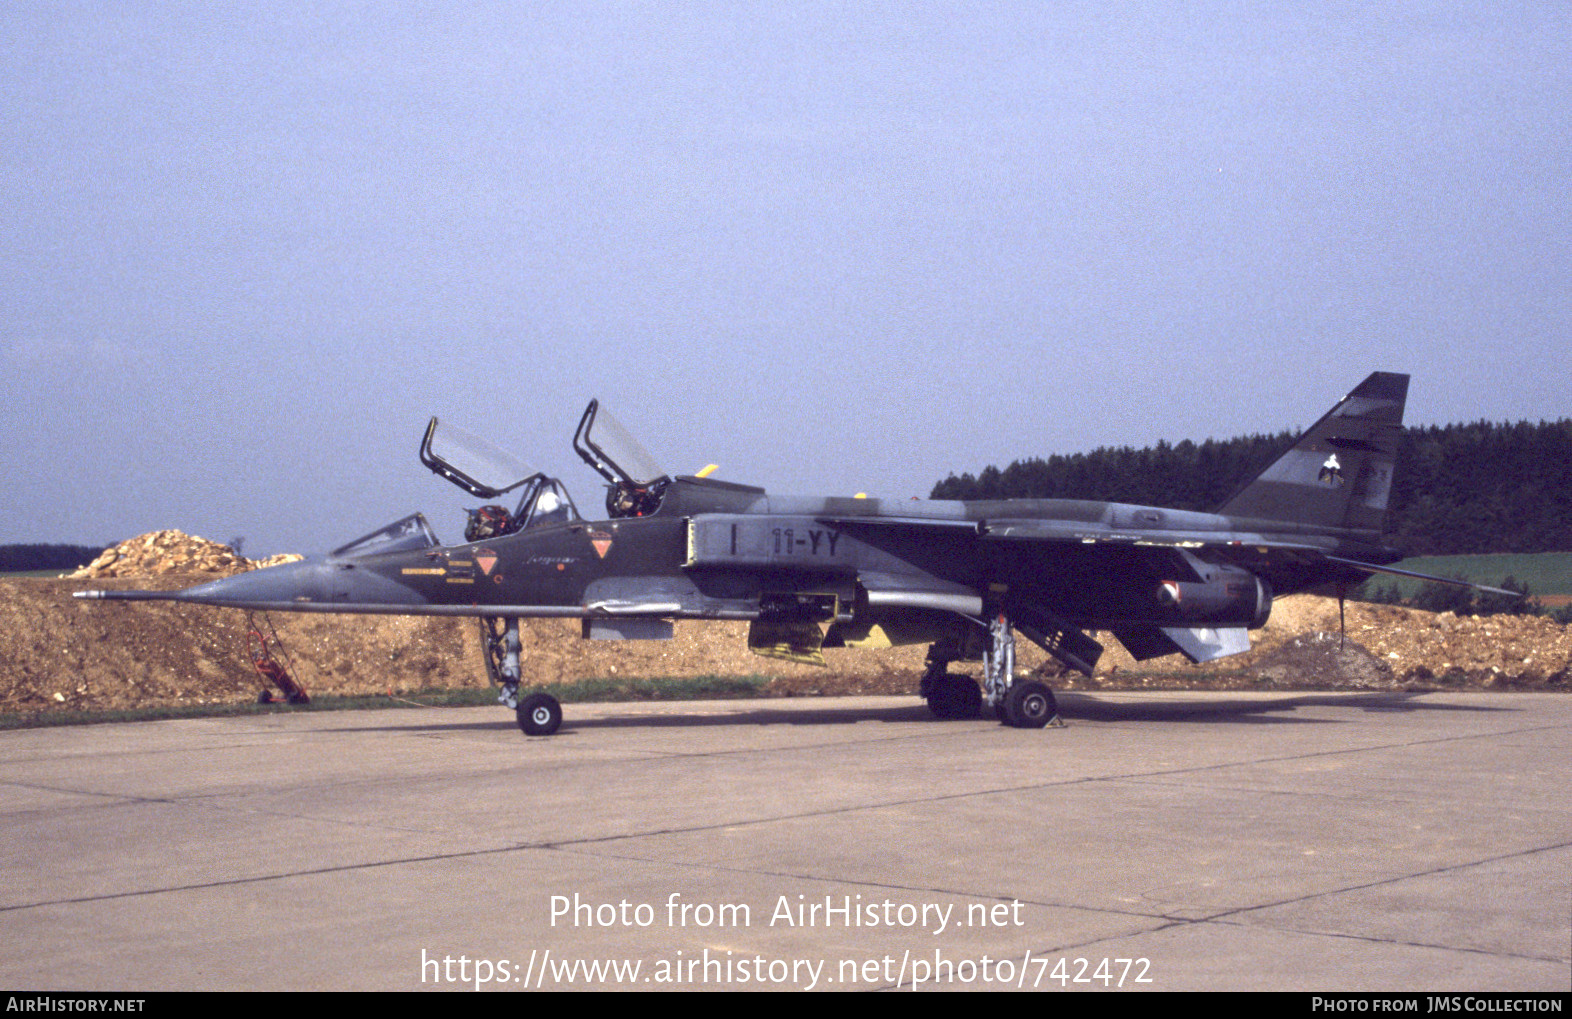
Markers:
point(810, 573)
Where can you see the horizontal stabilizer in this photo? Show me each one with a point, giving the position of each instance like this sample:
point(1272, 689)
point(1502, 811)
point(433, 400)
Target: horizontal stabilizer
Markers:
point(1393, 571)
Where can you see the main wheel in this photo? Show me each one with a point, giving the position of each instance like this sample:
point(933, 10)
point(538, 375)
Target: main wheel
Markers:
point(1029, 705)
point(953, 696)
point(539, 714)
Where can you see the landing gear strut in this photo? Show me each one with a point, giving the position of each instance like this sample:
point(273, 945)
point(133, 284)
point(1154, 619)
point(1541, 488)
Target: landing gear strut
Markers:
point(539, 714)
point(1026, 704)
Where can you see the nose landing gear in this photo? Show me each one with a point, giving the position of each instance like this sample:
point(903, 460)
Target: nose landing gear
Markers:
point(539, 713)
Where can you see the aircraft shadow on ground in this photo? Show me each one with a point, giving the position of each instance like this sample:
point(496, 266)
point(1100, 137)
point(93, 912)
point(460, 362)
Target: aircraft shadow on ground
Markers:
point(1073, 706)
point(1243, 708)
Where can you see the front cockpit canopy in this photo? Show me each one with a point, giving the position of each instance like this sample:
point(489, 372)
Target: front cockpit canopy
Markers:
point(410, 534)
point(482, 469)
point(471, 462)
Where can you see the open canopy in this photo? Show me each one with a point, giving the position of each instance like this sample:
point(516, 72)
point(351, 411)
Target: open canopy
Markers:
point(471, 462)
point(612, 450)
point(482, 469)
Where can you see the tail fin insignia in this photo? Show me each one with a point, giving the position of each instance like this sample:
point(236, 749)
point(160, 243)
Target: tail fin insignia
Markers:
point(1339, 473)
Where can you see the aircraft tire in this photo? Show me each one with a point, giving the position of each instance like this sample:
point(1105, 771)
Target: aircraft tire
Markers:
point(1029, 705)
point(969, 697)
point(539, 714)
point(955, 696)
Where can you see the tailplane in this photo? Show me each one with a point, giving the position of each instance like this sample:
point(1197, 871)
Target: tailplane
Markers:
point(1339, 473)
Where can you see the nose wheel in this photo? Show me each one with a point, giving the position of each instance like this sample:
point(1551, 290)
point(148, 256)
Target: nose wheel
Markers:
point(539, 714)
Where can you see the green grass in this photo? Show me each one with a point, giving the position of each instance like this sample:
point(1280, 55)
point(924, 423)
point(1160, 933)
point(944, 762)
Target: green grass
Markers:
point(688, 688)
point(1543, 572)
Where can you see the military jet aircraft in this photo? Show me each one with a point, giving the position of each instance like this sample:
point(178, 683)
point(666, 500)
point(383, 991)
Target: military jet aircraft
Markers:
point(810, 573)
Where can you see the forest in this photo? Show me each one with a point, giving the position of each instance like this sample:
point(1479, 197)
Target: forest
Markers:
point(21, 558)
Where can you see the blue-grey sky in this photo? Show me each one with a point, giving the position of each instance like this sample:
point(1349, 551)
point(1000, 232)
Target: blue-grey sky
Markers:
point(247, 249)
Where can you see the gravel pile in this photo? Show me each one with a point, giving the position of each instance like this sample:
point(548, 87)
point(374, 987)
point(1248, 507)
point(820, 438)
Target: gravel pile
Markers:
point(162, 553)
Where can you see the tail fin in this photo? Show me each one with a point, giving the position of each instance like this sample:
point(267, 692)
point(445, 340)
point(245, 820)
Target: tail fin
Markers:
point(1339, 473)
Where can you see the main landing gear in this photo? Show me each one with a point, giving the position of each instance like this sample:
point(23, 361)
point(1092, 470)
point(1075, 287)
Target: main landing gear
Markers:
point(950, 695)
point(1024, 704)
point(539, 714)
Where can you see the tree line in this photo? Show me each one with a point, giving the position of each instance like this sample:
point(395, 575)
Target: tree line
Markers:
point(19, 558)
point(1480, 487)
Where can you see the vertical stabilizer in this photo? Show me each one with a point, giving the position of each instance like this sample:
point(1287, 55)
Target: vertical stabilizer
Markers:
point(1339, 473)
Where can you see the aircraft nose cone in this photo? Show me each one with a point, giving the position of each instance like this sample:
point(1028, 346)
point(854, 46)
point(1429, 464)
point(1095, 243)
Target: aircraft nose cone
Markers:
point(309, 582)
point(291, 582)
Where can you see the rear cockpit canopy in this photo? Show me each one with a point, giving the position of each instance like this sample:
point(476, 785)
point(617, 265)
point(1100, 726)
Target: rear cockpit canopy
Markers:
point(637, 481)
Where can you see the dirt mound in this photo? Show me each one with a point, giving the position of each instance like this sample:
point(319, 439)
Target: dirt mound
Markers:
point(1320, 658)
point(62, 653)
point(1418, 647)
point(58, 652)
point(163, 553)
point(167, 552)
point(1385, 646)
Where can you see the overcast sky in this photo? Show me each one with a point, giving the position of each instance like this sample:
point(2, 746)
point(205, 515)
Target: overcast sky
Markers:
point(248, 249)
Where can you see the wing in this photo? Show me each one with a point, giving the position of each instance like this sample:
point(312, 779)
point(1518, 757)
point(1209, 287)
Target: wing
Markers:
point(1059, 576)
